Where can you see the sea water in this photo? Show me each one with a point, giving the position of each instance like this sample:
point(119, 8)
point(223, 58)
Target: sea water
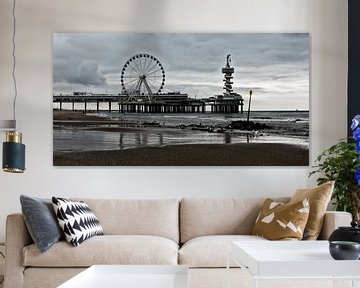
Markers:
point(144, 130)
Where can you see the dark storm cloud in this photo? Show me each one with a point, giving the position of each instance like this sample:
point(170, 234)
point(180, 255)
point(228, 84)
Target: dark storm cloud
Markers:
point(272, 64)
point(85, 73)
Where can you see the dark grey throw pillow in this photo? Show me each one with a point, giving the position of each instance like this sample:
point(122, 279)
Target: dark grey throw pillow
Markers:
point(41, 221)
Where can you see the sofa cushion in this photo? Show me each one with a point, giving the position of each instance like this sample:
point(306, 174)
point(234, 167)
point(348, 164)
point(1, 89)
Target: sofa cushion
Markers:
point(35, 277)
point(319, 198)
point(200, 217)
point(211, 251)
point(77, 220)
point(107, 249)
point(41, 221)
point(158, 217)
point(279, 221)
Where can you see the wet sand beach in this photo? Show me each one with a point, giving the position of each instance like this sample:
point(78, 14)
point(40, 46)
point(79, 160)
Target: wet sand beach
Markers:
point(245, 154)
point(168, 154)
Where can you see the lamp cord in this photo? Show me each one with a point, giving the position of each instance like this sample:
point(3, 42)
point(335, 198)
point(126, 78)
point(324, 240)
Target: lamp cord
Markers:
point(2, 280)
point(14, 61)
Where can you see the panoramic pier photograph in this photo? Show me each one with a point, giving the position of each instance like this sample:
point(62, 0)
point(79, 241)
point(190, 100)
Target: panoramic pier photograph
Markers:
point(180, 99)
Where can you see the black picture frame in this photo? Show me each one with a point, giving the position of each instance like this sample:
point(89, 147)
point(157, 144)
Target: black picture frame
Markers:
point(353, 107)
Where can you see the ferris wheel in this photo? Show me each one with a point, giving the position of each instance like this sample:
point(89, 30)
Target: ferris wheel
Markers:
point(142, 74)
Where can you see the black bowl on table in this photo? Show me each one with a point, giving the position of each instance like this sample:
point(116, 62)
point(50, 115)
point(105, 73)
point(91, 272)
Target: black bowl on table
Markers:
point(344, 250)
point(346, 233)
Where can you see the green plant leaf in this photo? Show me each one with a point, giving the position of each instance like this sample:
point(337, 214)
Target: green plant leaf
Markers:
point(339, 163)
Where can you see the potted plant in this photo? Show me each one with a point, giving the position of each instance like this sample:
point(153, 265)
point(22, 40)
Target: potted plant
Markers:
point(341, 163)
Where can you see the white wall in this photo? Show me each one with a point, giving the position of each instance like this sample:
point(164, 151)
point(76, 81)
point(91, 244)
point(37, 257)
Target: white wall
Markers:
point(326, 20)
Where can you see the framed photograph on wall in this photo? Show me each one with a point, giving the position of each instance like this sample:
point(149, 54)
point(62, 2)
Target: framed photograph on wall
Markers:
point(181, 99)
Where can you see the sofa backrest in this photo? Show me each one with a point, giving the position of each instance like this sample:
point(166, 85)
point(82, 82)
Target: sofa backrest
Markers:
point(159, 217)
point(200, 217)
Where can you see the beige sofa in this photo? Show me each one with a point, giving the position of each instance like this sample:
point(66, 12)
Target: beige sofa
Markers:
point(194, 232)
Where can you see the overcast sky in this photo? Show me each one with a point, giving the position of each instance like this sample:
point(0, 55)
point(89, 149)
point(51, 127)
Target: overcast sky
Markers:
point(274, 66)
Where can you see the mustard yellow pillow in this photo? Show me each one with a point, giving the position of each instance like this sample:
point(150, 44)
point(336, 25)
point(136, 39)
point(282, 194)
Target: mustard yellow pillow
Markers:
point(279, 221)
point(319, 198)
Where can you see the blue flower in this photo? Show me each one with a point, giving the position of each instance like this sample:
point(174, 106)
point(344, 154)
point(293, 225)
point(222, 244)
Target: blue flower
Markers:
point(355, 122)
point(356, 134)
point(357, 176)
point(355, 126)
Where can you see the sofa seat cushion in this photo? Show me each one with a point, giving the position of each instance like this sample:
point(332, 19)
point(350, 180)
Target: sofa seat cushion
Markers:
point(107, 249)
point(211, 251)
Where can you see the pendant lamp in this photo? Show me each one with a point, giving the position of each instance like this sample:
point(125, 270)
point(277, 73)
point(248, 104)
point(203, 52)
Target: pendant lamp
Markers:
point(13, 150)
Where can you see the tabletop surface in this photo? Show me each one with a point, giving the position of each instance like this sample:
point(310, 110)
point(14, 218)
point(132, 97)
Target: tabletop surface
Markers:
point(286, 250)
point(131, 276)
point(291, 259)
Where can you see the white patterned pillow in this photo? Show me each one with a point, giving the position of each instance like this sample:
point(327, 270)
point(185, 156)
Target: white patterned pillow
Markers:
point(77, 220)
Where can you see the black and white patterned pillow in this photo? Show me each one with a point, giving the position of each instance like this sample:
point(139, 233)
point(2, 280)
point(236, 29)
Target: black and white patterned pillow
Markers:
point(77, 220)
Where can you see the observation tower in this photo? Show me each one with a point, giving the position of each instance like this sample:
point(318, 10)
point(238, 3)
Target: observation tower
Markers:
point(228, 72)
point(229, 101)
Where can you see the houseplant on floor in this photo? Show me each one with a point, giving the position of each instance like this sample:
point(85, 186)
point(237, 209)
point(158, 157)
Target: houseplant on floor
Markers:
point(341, 163)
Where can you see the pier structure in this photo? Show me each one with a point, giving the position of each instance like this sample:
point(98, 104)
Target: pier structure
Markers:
point(160, 103)
point(164, 103)
point(142, 92)
point(85, 99)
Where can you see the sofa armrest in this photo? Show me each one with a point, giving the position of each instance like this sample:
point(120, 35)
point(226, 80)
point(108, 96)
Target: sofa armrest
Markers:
point(17, 237)
point(333, 220)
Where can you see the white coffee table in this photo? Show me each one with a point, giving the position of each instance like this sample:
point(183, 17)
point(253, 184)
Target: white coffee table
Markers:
point(131, 276)
point(297, 260)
